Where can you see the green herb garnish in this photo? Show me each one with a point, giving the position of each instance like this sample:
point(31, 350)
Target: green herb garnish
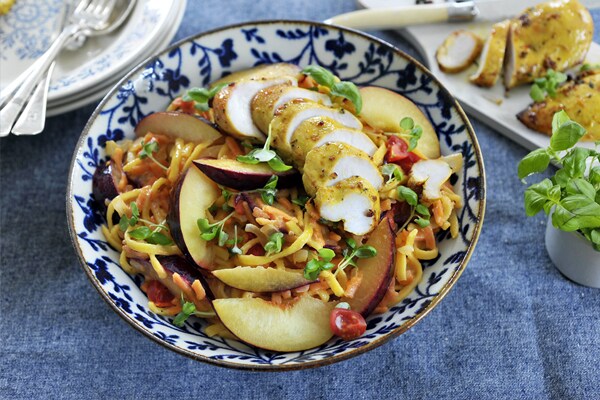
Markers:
point(148, 150)
point(201, 96)
point(352, 251)
point(301, 201)
point(410, 131)
point(546, 85)
point(417, 209)
point(273, 246)
point(392, 171)
point(574, 190)
point(235, 249)
point(187, 310)
point(344, 89)
point(265, 154)
point(314, 267)
point(152, 236)
point(210, 231)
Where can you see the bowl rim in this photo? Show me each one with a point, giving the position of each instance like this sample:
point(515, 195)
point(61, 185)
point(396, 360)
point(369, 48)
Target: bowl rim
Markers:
point(309, 364)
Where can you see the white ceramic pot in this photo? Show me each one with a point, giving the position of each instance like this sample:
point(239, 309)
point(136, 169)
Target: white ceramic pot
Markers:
point(573, 255)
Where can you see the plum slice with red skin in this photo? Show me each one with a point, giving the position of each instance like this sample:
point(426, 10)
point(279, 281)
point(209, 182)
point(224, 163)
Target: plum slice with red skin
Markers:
point(377, 272)
point(241, 176)
point(104, 185)
point(188, 127)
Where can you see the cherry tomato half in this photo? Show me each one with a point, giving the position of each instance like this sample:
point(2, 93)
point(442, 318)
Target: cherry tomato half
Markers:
point(159, 294)
point(398, 153)
point(347, 324)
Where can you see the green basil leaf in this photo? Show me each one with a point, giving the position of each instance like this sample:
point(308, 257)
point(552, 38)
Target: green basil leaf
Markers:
point(536, 197)
point(534, 162)
point(408, 195)
point(562, 177)
point(566, 135)
point(594, 176)
point(559, 119)
point(349, 91)
point(575, 162)
point(320, 75)
point(140, 233)
point(581, 186)
point(576, 212)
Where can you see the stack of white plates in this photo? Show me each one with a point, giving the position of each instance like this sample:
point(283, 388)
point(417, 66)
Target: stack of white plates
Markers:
point(84, 75)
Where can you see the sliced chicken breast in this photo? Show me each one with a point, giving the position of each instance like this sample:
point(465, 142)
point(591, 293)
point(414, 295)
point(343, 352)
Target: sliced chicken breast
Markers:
point(268, 100)
point(232, 107)
point(492, 56)
point(458, 51)
point(333, 162)
point(264, 71)
point(432, 174)
point(354, 201)
point(289, 116)
point(318, 131)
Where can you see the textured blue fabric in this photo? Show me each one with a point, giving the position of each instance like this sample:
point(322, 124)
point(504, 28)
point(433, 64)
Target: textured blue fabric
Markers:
point(512, 327)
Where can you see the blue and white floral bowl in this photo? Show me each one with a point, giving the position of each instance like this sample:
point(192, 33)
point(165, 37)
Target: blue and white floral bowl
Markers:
point(203, 58)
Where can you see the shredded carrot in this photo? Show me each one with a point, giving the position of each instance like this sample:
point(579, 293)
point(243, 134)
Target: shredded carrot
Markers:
point(438, 212)
point(234, 147)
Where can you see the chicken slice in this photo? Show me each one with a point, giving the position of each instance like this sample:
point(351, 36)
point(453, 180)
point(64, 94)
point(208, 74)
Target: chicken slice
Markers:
point(289, 116)
point(263, 71)
point(553, 35)
point(579, 98)
point(318, 131)
point(268, 100)
point(333, 162)
point(492, 56)
point(458, 51)
point(354, 201)
point(232, 106)
point(432, 174)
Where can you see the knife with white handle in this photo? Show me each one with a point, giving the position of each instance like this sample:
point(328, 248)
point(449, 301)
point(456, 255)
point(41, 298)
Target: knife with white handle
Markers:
point(386, 14)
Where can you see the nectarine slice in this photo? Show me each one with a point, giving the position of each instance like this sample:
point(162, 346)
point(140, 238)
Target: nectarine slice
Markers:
point(383, 109)
point(190, 199)
point(301, 325)
point(188, 127)
point(377, 272)
point(261, 279)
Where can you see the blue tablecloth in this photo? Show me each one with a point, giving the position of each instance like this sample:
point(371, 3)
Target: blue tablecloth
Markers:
point(512, 327)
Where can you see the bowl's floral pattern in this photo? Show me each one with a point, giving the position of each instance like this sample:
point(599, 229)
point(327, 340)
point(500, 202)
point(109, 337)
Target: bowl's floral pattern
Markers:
point(206, 57)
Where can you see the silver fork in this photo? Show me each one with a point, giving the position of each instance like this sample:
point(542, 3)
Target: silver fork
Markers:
point(88, 16)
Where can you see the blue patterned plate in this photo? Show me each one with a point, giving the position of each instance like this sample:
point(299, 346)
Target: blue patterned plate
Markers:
point(201, 59)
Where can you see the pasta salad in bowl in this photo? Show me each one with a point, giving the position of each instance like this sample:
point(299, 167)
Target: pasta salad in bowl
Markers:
point(276, 195)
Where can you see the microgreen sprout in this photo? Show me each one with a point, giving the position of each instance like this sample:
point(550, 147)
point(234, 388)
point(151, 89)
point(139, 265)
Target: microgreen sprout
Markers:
point(392, 171)
point(301, 201)
point(417, 209)
point(410, 131)
point(352, 251)
point(344, 89)
point(201, 96)
point(265, 155)
point(273, 246)
point(148, 150)
point(210, 231)
point(546, 85)
point(314, 267)
point(150, 234)
point(187, 310)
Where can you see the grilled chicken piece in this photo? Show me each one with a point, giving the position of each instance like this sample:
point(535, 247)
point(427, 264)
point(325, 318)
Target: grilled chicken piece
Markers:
point(318, 131)
point(232, 107)
point(579, 98)
point(268, 100)
point(432, 174)
point(264, 71)
point(554, 35)
point(458, 51)
point(353, 201)
point(492, 56)
point(328, 164)
point(289, 116)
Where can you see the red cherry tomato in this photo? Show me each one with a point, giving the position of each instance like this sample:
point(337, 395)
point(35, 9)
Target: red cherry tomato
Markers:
point(398, 153)
point(347, 324)
point(159, 294)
